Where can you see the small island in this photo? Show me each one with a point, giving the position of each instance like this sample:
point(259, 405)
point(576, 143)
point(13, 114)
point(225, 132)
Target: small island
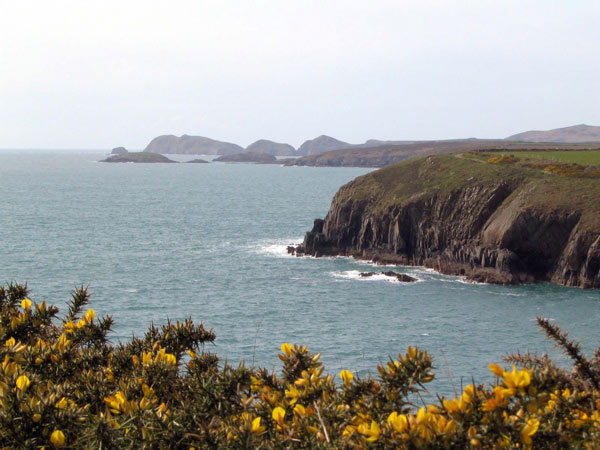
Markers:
point(248, 157)
point(138, 157)
point(197, 161)
point(119, 151)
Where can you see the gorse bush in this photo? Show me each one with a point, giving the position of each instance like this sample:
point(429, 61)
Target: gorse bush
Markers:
point(63, 384)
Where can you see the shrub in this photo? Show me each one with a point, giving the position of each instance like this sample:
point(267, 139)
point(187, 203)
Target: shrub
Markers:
point(63, 384)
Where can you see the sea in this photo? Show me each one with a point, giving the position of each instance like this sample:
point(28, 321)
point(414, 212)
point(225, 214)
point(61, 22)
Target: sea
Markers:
point(158, 242)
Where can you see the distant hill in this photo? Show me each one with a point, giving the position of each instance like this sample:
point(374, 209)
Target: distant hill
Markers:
point(321, 144)
point(191, 145)
point(271, 148)
point(119, 151)
point(324, 144)
point(384, 155)
point(576, 133)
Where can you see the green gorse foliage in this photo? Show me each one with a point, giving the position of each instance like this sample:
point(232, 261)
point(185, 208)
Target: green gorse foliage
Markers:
point(64, 385)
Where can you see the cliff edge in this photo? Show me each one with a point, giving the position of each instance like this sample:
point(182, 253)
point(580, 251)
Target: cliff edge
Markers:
point(500, 222)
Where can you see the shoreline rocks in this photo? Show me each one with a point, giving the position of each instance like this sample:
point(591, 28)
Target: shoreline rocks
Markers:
point(402, 277)
point(492, 225)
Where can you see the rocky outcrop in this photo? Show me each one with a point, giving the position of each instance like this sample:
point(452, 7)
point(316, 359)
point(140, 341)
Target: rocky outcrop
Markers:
point(260, 158)
point(402, 277)
point(490, 225)
point(138, 157)
point(197, 161)
point(191, 145)
point(271, 148)
point(119, 151)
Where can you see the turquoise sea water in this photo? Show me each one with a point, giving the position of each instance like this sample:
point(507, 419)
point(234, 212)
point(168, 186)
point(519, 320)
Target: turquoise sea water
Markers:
point(208, 241)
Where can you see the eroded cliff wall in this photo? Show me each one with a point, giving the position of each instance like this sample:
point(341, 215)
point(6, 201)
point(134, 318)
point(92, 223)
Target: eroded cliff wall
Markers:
point(491, 224)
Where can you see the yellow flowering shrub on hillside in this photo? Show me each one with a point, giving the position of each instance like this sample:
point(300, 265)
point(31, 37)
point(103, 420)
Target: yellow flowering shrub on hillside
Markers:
point(64, 385)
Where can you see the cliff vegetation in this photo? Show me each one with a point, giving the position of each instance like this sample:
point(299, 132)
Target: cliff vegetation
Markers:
point(492, 217)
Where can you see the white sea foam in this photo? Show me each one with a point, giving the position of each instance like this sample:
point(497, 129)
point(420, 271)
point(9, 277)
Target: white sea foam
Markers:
point(355, 275)
point(276, 248)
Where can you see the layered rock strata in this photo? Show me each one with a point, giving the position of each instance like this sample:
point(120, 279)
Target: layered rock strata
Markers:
point(490, 225)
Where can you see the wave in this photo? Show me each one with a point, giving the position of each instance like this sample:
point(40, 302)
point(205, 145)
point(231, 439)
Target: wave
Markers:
point(276, 248)
point(355, 275)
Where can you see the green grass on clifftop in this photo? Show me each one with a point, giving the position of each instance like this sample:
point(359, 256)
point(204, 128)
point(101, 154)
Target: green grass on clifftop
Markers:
point(400, 184)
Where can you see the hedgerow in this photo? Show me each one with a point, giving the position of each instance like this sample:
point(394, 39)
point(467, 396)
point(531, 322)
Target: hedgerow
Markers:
point(63, 384)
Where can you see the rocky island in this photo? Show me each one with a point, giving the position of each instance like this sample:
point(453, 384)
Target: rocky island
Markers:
point(189, 145)
point(248, 157)
point(138, 157)
point(496, 219)
point(272, 148)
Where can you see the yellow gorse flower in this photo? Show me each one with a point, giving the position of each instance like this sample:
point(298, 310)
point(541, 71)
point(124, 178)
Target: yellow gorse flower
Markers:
point(58, 438)
point(399, 422)
point(346, 377)
point(89, 315)
point(286, 349)
point(371, 431)
point(256, 427)
point(26, 304)
point(23, 382)
point(299, 409)
point(517, 378)
point(530, 428)
point(278, 415)
point(62, 403)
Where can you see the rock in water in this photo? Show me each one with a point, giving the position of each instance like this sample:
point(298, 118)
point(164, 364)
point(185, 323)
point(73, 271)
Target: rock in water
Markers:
point(138, 157)
point(399, 276)
point(261, 158)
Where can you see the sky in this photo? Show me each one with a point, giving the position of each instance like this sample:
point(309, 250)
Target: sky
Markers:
point(79, 74)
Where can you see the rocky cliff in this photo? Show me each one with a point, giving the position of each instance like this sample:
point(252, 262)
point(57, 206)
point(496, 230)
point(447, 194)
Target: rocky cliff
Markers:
point(496, 223)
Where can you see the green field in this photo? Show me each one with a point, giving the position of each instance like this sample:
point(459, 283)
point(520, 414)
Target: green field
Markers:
point(582, 157)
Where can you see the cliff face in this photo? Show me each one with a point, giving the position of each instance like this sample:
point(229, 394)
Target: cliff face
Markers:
point(490, 224)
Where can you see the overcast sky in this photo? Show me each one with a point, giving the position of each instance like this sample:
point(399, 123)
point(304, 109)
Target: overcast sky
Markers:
point(101, 74)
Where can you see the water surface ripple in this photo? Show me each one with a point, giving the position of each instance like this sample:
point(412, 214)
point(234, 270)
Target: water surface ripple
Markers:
point(208, 241)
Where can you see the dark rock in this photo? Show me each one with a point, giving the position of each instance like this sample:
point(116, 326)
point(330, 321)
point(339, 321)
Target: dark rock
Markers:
point(119, 151)
point(399, 276)
point(198, 161)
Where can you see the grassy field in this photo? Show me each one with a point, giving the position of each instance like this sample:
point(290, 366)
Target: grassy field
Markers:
point(582, 157)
